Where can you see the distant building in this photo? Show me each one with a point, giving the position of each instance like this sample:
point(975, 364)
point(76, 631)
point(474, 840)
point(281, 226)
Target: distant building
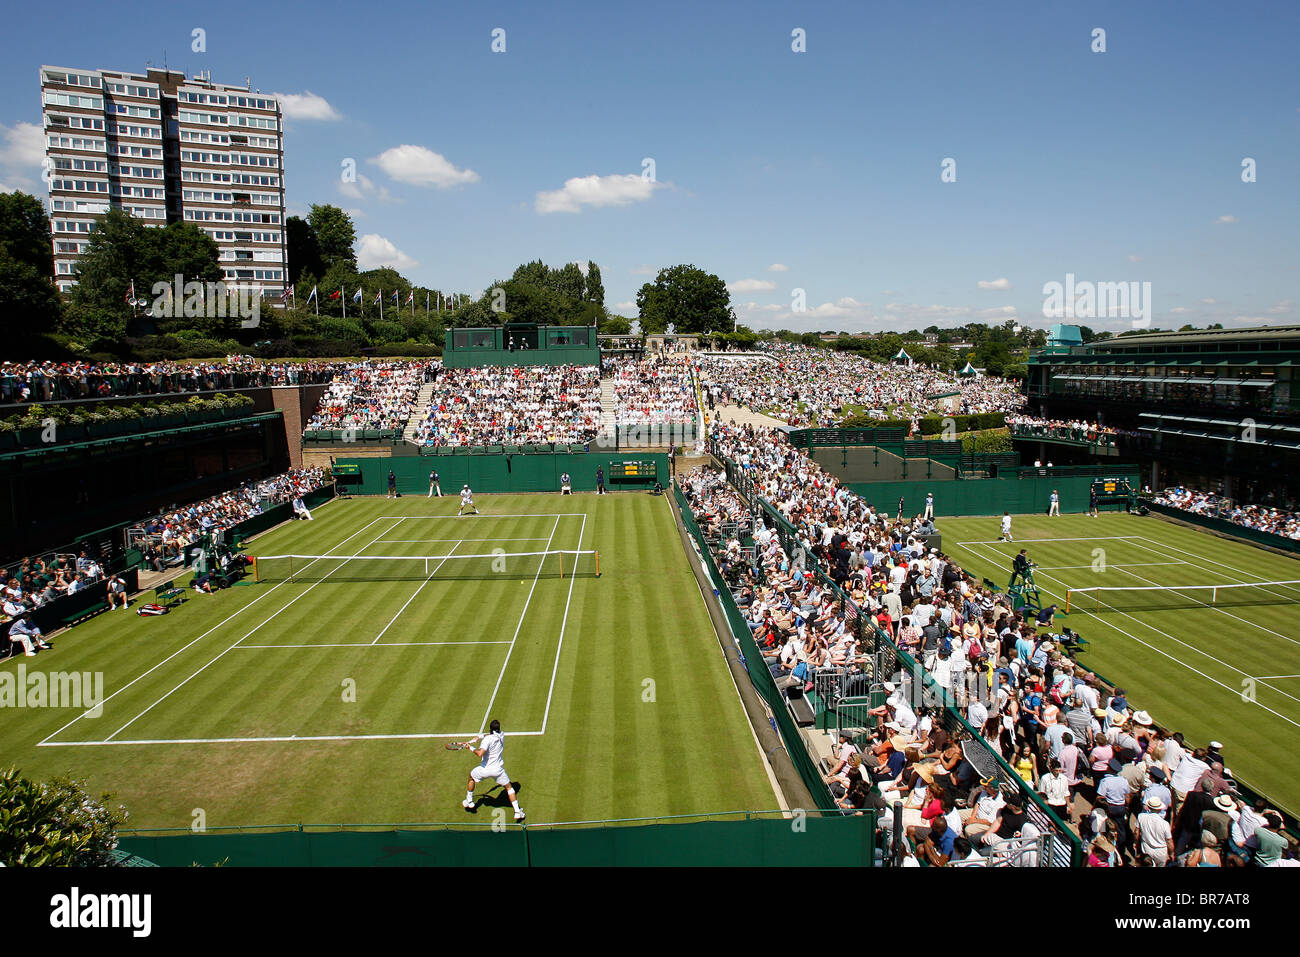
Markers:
point(166, 149)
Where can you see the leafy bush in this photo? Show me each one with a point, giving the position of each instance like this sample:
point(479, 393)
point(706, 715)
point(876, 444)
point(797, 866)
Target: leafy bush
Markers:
point(55, 823)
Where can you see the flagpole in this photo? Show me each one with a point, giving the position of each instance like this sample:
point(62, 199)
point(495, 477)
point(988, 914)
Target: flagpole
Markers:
point(343, 299)
point(381, 305)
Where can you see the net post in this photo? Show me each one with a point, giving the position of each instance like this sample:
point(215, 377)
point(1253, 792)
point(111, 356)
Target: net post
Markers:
point(598, 564)
point(561, 556)
point(253, 560)
point(1068, 593)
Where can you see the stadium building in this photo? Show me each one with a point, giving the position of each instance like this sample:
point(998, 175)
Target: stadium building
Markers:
point(1214, 409)
point(166, 149)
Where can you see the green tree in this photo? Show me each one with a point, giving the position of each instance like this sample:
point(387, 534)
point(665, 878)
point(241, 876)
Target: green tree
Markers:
point(25, 231)
point(55, 823)
point(335, 235)
point(569, 282)
point(595, 289)
point(689, 298)
point(302, 248)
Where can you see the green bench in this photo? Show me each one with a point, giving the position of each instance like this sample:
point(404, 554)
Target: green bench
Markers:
point(168, 594)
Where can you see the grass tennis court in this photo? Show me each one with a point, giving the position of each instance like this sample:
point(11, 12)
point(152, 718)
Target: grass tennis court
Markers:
point(1228, 671)
point(327, 697)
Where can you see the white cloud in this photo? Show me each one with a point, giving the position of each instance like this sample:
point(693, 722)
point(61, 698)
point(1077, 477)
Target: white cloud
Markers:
point(365, 188)
point(625, 306)
point(889, 292)
point(1178, 310)
point(616, 190)
point(1134, 258)
point(374, 251)
point(1210, 302)
point(307, 106)
point(1226, 219)
point(421, 166)
point(994, 284)
point(22, 153)
point(778, 267)
point(751, 285)
point(645, 271)
point(1284, 305)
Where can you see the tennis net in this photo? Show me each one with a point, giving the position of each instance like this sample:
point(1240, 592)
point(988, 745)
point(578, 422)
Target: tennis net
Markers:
point(552, 563)
point(1103, 598)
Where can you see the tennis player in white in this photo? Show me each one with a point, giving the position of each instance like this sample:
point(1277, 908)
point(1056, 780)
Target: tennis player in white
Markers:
point(1006, 528)
point(490, 748)
point(466, 501)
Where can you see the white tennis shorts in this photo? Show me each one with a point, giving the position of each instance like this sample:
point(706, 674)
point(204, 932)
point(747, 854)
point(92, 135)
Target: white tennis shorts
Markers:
point(481, 773)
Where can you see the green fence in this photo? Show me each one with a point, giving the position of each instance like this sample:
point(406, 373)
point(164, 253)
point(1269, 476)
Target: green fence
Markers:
point(756, 667)
point(742, 839)
point(493, 470)
point(274, 515)
point(1023, 496)
point(1225, 527)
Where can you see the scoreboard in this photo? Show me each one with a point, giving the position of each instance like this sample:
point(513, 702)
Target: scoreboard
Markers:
point(633, 471)
point(1114, 491)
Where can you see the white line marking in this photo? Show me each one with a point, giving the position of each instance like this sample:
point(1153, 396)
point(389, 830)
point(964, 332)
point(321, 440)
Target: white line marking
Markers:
point(1274, 677)
point(518, 627)
point(1061, 568)
point(199, 638)
point(546, 715)
point(449, 517)
point(258, 627)
point(368, 644)
point(416, 592)
point(409, 541)
point(1200, 559)
point(274, 739)
point(1030, 541)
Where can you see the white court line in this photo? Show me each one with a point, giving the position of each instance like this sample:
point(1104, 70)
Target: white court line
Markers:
point(368, 644)
point(449, 517)
point(546, 715)
point(413, 541)
point(417, 591)
point(1031, 541)
point(1274, 677)
point(1061, 568)
point(518, 627)
point(199, 638)
point(256, 628)
point(1161, 651)
point(275, 739)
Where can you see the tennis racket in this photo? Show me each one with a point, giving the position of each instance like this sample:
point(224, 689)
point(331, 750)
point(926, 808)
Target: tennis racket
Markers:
point(459, 745)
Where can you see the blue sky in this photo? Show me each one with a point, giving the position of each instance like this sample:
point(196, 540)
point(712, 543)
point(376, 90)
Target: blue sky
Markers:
point(1117, 166)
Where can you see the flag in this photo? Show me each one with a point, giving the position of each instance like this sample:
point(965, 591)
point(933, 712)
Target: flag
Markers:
point(130, 292)
point(356, 296)
point(336, 294)
point(379, 296)
point(410, 297)
point(284, 296)
point(394, 295)
point(312, 294)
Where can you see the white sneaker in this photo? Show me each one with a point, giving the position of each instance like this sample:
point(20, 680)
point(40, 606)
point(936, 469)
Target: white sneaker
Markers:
point(467, 805)
point(519, 815)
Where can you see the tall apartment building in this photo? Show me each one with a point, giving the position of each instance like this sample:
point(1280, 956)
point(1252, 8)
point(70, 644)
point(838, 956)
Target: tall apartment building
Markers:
point(167, 149)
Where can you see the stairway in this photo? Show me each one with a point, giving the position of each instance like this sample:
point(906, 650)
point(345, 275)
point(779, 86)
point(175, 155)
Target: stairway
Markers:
point(608, 409)
point(422, 404)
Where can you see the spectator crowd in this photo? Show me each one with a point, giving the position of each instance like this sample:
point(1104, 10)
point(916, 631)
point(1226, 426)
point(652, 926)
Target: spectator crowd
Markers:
point(652, 391)
point(810, 387)
point(1282, 518)
point(371, 395)
point(1094, 433)
point(49, 381)
point(502, 405)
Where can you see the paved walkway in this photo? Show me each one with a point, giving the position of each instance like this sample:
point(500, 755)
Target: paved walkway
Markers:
point(742, 415)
